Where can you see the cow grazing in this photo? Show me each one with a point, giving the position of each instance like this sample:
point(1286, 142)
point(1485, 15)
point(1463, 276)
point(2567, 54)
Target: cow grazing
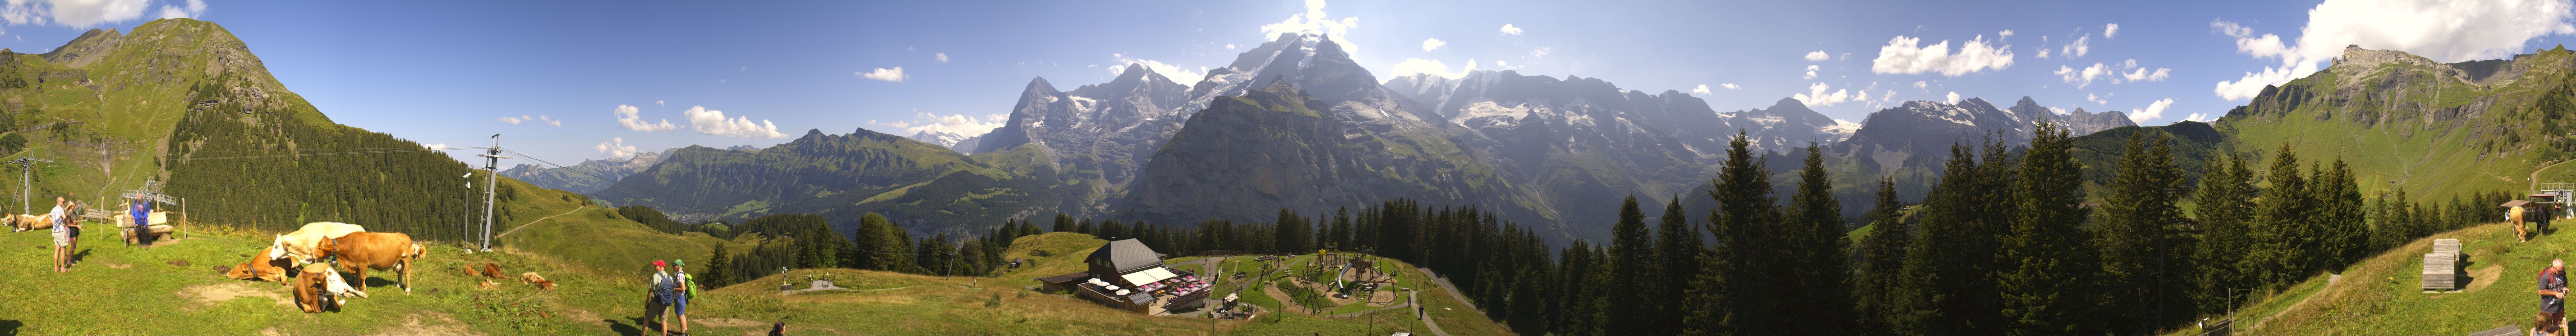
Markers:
point(311, 289)
point(303, 245)
point(539, 280)
point(362, 251)
point(266, 266)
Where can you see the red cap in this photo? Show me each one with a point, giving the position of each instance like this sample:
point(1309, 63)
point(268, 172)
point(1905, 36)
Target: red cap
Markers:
point(657, 263)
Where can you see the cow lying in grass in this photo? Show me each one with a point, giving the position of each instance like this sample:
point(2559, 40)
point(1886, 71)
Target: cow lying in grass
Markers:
point(361, 251)
point(18, 223)
point(312, 288)
point(269, 265)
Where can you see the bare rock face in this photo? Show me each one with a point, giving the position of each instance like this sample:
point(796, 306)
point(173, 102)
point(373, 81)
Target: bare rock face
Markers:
point(2078, 122)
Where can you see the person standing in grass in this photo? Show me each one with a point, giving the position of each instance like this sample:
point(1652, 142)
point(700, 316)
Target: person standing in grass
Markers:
point(661, 294)
point(2553, 298)
point(687, 289)
point(62, 237)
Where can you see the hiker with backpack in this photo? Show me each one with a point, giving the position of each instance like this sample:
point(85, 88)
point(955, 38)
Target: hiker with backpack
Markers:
point(661, 297)
point(687, 289)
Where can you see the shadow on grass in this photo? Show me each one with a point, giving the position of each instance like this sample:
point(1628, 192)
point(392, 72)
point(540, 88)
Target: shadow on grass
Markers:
point(10, 327)
point(630, 329)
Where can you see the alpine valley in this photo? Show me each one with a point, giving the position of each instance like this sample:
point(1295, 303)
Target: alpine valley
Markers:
point(1294, 124)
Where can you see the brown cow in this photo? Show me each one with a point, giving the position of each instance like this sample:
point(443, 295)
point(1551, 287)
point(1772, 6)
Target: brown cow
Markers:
point(361, 251)
point(264, 267)
point(310, 292)
point(539, 280)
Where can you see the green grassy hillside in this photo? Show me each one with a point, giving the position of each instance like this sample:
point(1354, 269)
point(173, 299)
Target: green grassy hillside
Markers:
point(2380, 295)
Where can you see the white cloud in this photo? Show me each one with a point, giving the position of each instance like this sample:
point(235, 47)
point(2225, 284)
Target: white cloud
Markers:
point(1954, 97)
point(435, 146)
point(1540, 52)
point(943, 57)
point(2043, 52)
point(1729, 86)
point(2141, 74)
point(2153, 111)
point(658, 103)
point(1313, 21)
point(1411, 66)
point(1229, 46)
point(1903, 56)
point(2111, 30)
point(627, 117)
point(2007, 33)
point(2081, 46)
point(550, 121)
point(1176, 73)
point(616, 148)
point(1811, 72)
point(194, 8)
point(1818, 55)
point(884, 74)
point(1701, 90)
point(2444, 31)
point(2097, 100)
point(959, 124)
point(1921, 85)
point(713, 122)
point(2082, 78)
point(1816, 95)
point(2198, 117)
point(1430, 44)
point(1508, 29)
point(2058, 111)
point(513, 120)
point(82, 13)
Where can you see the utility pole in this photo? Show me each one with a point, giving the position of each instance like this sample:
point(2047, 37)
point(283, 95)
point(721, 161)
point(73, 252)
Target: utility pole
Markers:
point(27, 183)
point(491, 167)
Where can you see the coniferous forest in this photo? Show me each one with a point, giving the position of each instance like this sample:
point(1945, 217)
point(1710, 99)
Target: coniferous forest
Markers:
point(2008, 243)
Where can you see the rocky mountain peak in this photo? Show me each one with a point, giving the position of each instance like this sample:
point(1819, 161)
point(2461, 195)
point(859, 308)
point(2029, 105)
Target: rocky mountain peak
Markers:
point(86, 49)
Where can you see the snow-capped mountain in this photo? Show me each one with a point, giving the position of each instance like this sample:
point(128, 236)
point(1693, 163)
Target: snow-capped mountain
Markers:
point(953, 141)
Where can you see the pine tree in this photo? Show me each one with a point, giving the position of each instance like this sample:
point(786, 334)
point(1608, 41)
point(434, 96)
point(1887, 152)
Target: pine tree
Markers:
point(2225, 209)
point(1746, 224)
point(1882, 254)
point(2341, 217)
point(1946, 286)
point(1631, 258)
point(2281, 238)
point(719, 269)
point(884, 245)
point(1064, 223)
point(1820, 290)
point(1678, 250)
point(2140, 234)
point(2043, 293)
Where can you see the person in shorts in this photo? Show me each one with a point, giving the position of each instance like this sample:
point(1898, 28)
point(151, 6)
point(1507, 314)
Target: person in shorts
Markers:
point(661, 293)
point(2553, 298)
point(680, 300)
point(62, 237)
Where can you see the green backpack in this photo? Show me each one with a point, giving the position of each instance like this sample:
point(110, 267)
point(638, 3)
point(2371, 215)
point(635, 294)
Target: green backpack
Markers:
point(688, 289)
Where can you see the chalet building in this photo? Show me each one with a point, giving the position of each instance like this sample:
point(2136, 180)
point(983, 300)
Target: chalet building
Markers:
point(1127, 275)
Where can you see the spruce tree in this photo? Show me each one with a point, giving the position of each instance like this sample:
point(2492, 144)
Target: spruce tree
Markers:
point(1631, 259)
point(2339, 198)
point(2043, 293)
point(1728, 297)
point(2140, 235)
point(2225, 209)
point(1064, 223)
point(1882, 254)
point(1946, 286)
point(719, 269)
point(2280, 237)
point(1819, 290)
point(1678, 250)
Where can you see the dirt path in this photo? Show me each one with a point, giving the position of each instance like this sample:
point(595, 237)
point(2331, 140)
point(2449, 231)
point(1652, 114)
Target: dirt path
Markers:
point(2535, 174)
point(2331, 280)
point(1426, 317)
point(1453, 289)
point(534, 222)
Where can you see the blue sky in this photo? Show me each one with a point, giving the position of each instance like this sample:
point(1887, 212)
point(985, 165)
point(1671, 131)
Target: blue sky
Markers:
point(761, 73)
